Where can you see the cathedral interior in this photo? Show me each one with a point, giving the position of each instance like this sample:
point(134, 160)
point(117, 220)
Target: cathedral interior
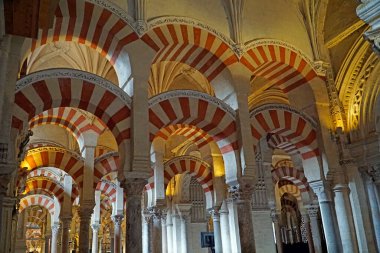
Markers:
point(178, 126)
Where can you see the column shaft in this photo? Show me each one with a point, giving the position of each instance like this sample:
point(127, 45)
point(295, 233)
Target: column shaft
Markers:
point(277, 231)
point(84, 229)
point(95, 237)
point(66, 222)
point(54, 238)
point(117, 220)
point(375, 212)
point(217, 232)
point(314, 226)
point(344, 216)
point(225, 230)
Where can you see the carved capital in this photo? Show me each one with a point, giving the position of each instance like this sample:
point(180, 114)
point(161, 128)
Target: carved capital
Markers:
point(117, 220)
point(95, 227)
point(55, 228)
point(147, 216)
point(4, 181)
point(242, 191)
point(322, 190)
point(313, 211)
point(275, 216)
point(133, 186)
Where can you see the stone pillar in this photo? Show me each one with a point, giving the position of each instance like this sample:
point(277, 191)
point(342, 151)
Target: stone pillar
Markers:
point(314, 224)
point(374, 205)
point(133, 189)
point(164, 232)
point(147, 218)
point(345, 219)
point(177, 236)
point(117, 220)
point(225, 228)
point(156, 237)
point(242, 195)
point(95, 237)
point(324, 199)
point(66, 223)
point(54, 237)
point(309, 237)
point(277, 230)
point(20, 246)
point(169, 229)
point(184, 212)
point(217, 233)
point(85, 213)
point(47, 243)
point(7, 207)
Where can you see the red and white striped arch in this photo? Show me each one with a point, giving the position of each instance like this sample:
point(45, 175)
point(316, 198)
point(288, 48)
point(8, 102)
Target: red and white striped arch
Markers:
point(43, 173)
point(96, 25)
point(107, 188)
point(48, 89)
point(60, 158)
point(69, 118)
point(37, 200)
point(292, 174)
point(192, 133)
point(104, 165)
point(49, 186)
point(211, 115)
point(287, 122)
point(278, 63)
point(191, 45)
point(276, 141)
point(192, 165)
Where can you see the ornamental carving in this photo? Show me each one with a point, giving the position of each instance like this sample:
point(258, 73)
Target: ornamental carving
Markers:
point(76, 74)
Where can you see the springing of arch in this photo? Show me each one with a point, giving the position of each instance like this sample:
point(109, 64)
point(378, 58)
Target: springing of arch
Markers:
point(107, 188)
point(279, 63)
point(37, 200)
point(96, 24)
point(292, 174)
point(48, 89)
point(191, 45)
point(283, 120)
point(105, 165)
point(60, 158)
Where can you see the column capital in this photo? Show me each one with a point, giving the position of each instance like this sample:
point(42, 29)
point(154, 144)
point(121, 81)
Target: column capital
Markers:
point(147, 216)
point(184, 211)
point(55, 228)
point(95, 227)
point(322, 190)
point(242, 191)
point(133, 186)
point(312, 211)
point(274, 216)
point(117, 219)
point(157, 212)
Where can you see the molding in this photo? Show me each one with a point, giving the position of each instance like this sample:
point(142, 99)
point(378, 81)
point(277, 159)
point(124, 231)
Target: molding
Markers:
point(106, 156)
point(53, 149)
point(188, 21)
point(192, 94)
point(74, 74)
point(343, 35)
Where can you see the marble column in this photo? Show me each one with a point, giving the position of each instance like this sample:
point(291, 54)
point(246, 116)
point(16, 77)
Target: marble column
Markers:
point(321, 189)
point(164, 232)
point(20, 246)
point(169, 229)
point(85, 213)
point(225, 228)
point(147, 218)
point(156, 237)
point(277, 230)
point(217, 233)
point(95, 237)
point(315, 228)
point(47, 243)
point(345, 219)
point(309, 236)
point(184, 212)
point(375, 212)
point(133, 189)
point(7, 206)
point(54, 237)
point(117, 220)
point(66, 223)
point(242, 195)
